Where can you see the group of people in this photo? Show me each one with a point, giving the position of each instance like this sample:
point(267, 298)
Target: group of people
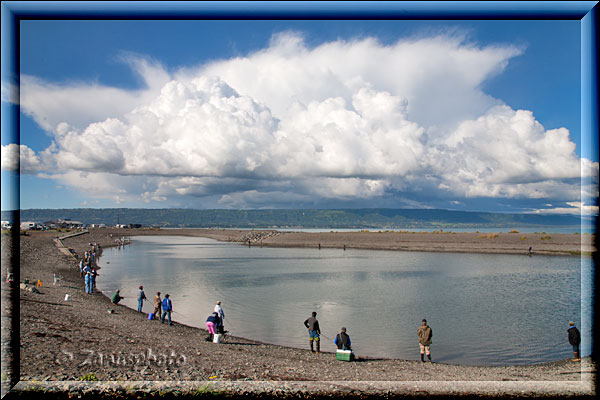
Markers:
point(343, 342)
point(87, 268)
point(342, 339)
point(214, 322)
point(162, 307)
point(424, 333)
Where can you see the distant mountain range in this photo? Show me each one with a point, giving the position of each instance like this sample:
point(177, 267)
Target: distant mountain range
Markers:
point(339, 219)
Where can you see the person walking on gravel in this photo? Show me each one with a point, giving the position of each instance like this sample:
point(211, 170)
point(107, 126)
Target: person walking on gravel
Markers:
point(425, 334)
point(167, 307)
point(157, 305)
point(574, 340)
point(141, 298)
point(313, 331)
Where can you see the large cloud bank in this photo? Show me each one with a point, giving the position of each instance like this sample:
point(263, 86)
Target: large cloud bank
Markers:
point(296, 126)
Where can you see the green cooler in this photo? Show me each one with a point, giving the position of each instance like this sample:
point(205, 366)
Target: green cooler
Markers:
point(344, 355)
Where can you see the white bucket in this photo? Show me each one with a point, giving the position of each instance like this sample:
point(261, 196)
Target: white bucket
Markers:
point(67, 297)
point(217, 338)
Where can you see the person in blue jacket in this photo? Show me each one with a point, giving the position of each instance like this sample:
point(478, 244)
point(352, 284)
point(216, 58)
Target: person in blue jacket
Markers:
point(167, 307)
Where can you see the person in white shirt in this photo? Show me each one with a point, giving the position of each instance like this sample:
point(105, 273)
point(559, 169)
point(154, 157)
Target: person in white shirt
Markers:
point(221, 313)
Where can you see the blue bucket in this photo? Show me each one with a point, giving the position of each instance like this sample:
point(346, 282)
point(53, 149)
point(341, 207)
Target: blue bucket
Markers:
point(151, 315)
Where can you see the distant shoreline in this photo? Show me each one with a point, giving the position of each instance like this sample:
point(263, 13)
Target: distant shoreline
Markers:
point(543, 243)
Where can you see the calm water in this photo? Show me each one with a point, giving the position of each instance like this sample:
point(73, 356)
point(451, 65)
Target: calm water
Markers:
point(483, 309)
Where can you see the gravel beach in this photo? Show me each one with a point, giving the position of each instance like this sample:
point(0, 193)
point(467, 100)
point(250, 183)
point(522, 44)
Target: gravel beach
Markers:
point(64, 342)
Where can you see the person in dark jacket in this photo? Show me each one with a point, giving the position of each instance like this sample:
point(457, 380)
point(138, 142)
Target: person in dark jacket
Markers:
point(342, 340)
point(313, 331)
point(425, 334)
point(574, 340)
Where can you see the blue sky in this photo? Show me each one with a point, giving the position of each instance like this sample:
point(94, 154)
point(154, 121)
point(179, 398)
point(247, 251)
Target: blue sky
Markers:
point(467, 115)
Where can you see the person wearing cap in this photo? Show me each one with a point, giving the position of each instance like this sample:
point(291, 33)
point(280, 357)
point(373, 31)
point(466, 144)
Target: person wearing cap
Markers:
point(425, 334)
point(342, 340)
point(219, 310)
point(574, 340)
point(167, 307)
point(313, 331)
point(141, 298)
point(157, 304)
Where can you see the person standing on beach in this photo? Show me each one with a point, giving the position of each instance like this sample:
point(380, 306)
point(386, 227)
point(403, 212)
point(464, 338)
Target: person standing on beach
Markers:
point(574, 340)
point(94, 274)
point(88, 282)
point(141, 298)
point(313, 331)
point(167, 307)
point(221, 314)
point(425, 334)
point(157, 304)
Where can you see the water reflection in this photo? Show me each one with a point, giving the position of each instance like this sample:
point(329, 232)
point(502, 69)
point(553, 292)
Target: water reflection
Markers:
point(484, 309)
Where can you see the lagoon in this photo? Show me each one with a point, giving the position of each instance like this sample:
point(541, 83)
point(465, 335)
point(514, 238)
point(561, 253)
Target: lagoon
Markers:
point(483, 309)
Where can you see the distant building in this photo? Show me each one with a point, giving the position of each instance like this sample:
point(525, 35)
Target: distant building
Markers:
point(28, 225)
point(98, 225)
point(69, 224)
point(120, 226)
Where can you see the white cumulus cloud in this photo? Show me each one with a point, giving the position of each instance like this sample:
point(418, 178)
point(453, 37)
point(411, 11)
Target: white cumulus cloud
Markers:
point(293, 124)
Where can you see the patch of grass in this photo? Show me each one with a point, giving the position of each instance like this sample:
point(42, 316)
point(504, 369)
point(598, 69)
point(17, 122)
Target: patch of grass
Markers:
point(546, 237)
point(88, 377)
point(523, 237)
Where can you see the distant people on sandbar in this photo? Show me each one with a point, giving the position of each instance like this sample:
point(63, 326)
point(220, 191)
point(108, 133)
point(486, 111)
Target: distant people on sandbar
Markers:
point(219, 310)
point(157, 305)
point(167, 307)
point(116, 297)
point(141, 298)
point(313, 332)
point(342, 340)
point(574, 340)
point(425, 334)
point(212, 322)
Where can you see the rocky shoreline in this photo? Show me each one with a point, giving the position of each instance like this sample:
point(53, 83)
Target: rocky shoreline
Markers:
point(79, 340)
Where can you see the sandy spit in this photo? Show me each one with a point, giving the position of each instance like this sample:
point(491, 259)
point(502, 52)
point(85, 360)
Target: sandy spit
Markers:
point(63, 342)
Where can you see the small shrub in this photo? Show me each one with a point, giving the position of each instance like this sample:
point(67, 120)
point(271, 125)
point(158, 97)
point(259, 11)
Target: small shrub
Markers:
point(546, 237)
point(514, 231)
point(523, 237)
point(88, 377)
